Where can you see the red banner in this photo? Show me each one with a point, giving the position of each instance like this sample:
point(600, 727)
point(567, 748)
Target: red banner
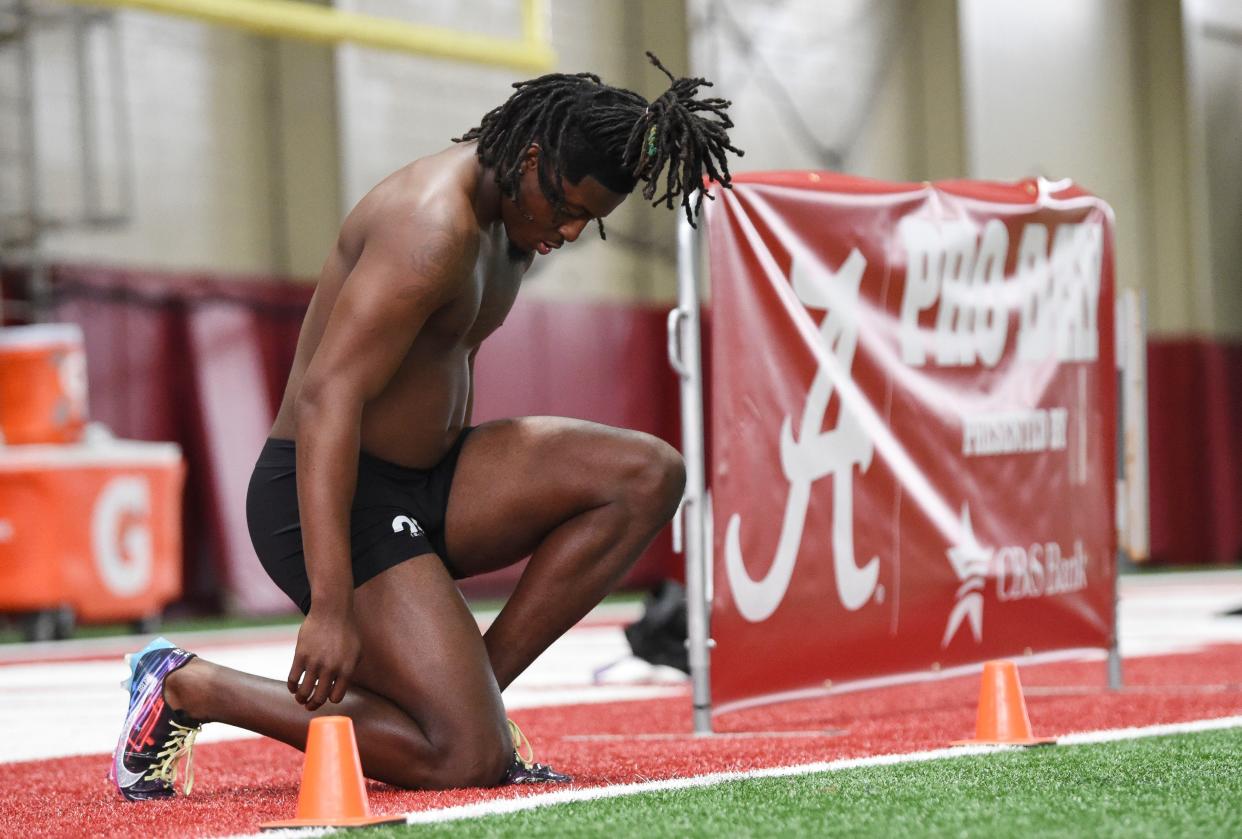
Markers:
point(912, 426)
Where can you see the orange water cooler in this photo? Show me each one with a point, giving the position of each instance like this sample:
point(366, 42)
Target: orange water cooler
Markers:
point(90, 526)
point(42, 383)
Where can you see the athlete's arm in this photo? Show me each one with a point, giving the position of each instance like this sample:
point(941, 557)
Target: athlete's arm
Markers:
point(403, 275)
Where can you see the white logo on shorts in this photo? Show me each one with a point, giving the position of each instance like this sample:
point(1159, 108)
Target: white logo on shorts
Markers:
point(406, 523)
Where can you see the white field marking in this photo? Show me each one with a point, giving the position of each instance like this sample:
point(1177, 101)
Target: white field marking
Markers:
point(530, 802)
point(513, 805)
point(207, 640)
point(112, 648)
point(1112, 735)
point(567, 796)
point(83, 703)
point(1179, 612)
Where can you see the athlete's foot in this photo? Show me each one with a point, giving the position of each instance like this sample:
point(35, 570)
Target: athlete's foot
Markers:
point(523, 769)
point(521, 772)
point(155, 737)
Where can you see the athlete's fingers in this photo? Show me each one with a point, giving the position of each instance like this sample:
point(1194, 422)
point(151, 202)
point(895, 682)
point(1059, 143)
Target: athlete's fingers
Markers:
point(322, 689)
point(306, 693)
point(340, 686)
point(295, 673)
point(308, 683)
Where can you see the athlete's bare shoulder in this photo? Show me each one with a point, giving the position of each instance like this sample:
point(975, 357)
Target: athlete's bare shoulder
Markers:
point(422, 217)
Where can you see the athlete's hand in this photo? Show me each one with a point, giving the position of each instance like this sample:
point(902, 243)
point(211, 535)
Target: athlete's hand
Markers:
point(327, 652)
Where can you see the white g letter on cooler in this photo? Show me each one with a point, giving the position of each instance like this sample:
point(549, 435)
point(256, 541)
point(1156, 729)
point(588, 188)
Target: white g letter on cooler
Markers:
point(815, 454)
point(122, 548)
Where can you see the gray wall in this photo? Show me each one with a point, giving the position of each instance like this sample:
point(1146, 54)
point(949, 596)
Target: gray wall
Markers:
point(248, 151)
point(869, 87)
point(1137, 100)
point(1214, 60)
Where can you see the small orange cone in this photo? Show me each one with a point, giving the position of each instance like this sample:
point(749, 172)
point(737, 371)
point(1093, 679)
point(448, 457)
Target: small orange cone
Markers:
point(333, 793)
point(1002, 719)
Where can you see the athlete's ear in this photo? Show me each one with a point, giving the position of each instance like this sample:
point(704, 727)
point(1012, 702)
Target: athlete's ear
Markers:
point(531, 159)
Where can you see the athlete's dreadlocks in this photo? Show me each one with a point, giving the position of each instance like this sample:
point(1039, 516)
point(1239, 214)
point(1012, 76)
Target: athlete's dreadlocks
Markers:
point(584, 126)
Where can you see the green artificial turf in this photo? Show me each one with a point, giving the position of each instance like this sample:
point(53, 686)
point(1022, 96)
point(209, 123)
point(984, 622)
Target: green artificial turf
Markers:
point(1183, 785)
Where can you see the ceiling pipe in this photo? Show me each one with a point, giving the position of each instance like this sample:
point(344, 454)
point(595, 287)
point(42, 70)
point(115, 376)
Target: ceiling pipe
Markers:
point(324, 24)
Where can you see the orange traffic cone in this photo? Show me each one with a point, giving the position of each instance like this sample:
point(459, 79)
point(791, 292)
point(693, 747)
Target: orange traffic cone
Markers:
point(1002, 718)
point(333, 793)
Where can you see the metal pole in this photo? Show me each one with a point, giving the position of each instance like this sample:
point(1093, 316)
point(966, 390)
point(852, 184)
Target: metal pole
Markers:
point(1121, 332)
point(1133, 538)
point(1114, 648)
point(1121, 342)
point(278, 187)
point(1140, 533)
point(123, 137)
point(39, 292)
point(29, 137)
point(81, 20)
point(685, 356)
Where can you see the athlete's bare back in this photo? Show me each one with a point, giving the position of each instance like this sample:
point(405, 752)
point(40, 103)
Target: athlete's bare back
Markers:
point(423, 408)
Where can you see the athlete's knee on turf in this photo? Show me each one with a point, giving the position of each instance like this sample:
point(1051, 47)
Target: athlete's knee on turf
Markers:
point(475, 762)
point(655, 479)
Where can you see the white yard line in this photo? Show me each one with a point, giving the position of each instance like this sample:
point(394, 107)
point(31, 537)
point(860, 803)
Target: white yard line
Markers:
point(207, 640)
point(567, 796)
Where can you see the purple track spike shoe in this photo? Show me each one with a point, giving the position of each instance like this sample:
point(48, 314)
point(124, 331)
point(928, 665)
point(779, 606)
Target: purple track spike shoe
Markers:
point(155, 738)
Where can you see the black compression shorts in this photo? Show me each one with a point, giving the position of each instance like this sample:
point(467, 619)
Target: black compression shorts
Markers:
point(398, 513)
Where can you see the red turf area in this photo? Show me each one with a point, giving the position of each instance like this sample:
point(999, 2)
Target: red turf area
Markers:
point(238, 785)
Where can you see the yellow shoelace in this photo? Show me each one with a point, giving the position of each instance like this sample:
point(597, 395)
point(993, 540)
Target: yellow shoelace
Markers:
point(180, 744)
point(520, 740)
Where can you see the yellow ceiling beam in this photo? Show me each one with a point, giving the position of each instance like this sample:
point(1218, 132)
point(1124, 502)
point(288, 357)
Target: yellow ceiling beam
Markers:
point(323, 24)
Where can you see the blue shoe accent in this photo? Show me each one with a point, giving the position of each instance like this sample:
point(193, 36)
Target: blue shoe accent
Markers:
point(132, 659)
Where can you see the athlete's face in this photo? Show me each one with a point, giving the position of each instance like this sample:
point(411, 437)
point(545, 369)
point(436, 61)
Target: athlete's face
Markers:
point(534, 225)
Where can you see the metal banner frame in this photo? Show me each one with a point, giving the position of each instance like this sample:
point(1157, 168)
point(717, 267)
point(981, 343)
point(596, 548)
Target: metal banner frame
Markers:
point(685, 356)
